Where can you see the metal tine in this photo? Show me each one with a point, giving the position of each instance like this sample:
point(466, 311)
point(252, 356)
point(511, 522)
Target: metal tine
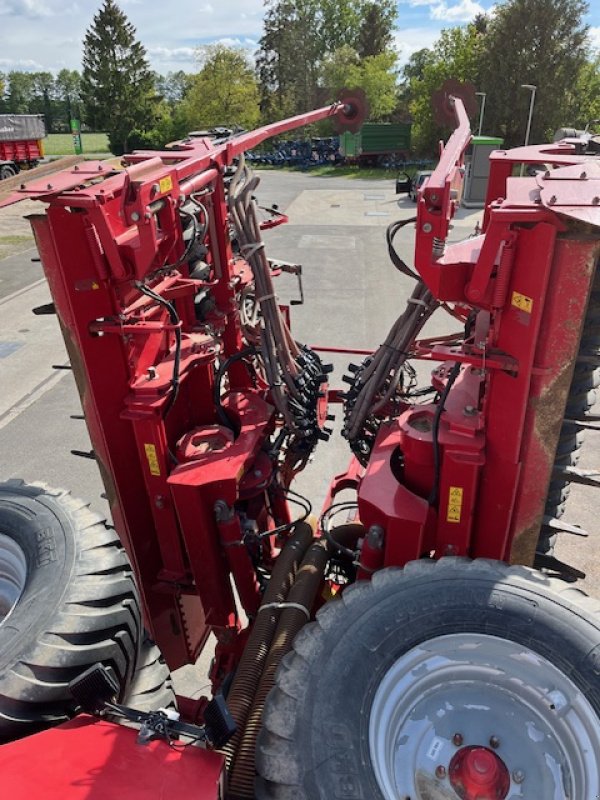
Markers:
point(591, 425)
point(84, 453)
point(544, 561)
point(565, 527)
point(585, 477)
point(592, 360)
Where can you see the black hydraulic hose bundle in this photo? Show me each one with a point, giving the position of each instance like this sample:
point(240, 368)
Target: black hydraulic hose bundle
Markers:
point(250, 668)
point(294, 612)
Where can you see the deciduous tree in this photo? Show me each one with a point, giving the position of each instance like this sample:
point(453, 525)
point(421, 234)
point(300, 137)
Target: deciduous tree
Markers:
point(457, 54)
point(538, 42)
point(225, 91)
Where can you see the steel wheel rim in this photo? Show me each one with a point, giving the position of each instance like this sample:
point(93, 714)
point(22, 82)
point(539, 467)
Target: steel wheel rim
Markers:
point(468, 689)
point(13, 575)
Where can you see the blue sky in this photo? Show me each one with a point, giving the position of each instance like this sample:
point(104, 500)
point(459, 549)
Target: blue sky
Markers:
point(47, 34)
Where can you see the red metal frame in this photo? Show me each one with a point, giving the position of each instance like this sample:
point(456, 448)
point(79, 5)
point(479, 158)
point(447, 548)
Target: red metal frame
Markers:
point(180, 486)
point(105, 230)
point(88, 759)
point(527, 279)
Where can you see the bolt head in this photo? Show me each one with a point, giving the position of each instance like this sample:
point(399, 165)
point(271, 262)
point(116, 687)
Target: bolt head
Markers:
point(494, 742)
point(427, 227)
point(518, 776)
point(457, 739)
point(440, 771)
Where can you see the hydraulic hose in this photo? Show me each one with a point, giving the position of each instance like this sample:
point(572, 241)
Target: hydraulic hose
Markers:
point(250, 668)
point(296, 612)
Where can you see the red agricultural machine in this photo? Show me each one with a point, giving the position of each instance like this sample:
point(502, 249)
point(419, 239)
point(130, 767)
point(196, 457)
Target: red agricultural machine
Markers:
point(418, 641)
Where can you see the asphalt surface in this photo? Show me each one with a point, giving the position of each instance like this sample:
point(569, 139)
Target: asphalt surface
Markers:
point(352, 296)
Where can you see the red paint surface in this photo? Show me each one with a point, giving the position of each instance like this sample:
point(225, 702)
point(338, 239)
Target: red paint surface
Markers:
point(86, 759)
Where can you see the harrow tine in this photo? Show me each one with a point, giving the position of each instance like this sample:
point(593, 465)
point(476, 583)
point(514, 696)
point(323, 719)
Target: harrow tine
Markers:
point(564, 527)
point(591, 360)
point(543, 561)
point(84, 454)
point(588, 423)
point(585, 477)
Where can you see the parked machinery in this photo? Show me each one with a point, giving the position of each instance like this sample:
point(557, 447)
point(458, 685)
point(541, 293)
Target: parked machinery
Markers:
point(21, 142)
point(449, 678)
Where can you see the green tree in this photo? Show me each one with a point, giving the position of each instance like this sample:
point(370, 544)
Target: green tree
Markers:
point(301, 37)
point(174, 86)
point(457, 54)
point(117, 84)
point(19, 92)
point(374, 74)
point(43, 98)
point(584, 99)
point(539, 42)
point(68, 93)
point(224, 92)
point(375, 34)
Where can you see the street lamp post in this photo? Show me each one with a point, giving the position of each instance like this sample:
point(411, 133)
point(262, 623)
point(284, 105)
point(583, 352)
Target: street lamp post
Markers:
point(533, 90)
point(481, 110)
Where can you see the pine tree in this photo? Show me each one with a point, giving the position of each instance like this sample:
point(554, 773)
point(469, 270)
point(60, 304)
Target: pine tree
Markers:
point(376, 30)
point(117, 84)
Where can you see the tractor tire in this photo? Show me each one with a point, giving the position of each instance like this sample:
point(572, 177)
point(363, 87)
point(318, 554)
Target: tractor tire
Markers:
point(433, 676)
point(6, 171)
point(67, 601)
point(152, 686)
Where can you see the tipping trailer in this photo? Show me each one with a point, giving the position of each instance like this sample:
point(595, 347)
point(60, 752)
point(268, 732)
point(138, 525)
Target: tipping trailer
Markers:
point(21, 142)
point(377, 143)
point(419, 639)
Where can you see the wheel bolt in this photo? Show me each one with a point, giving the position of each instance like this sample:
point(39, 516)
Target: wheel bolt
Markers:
point(440, 771)
point(457, 739)
point(494, 742)
point(518, 776)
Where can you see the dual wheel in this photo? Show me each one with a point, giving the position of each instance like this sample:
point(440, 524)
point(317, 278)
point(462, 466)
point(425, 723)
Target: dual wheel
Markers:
point(453, 680)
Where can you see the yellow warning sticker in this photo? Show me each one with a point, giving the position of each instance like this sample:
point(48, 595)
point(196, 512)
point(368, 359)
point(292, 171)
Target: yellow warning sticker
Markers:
point(153, 464)
point(455, 501)
point(522, 302)
point(166, 184)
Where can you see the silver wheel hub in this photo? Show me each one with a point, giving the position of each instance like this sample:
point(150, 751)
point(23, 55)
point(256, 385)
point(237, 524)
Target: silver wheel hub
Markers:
point(449, 698)
point(13, 575)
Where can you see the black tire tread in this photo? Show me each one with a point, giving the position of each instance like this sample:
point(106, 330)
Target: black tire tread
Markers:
point(99, 619)
point(152, 685)
point(278, 765)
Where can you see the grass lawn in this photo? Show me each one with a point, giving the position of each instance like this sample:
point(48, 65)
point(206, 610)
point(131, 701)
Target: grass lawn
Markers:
point(326, 171)
point(61, 144)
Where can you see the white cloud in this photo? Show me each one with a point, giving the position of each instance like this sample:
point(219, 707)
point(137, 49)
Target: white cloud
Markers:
point(464, 11)
point(409, 40)
point(228, 41)
point(594, 34)
point(172, 53)
point(25, 64)
point(30, 9)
